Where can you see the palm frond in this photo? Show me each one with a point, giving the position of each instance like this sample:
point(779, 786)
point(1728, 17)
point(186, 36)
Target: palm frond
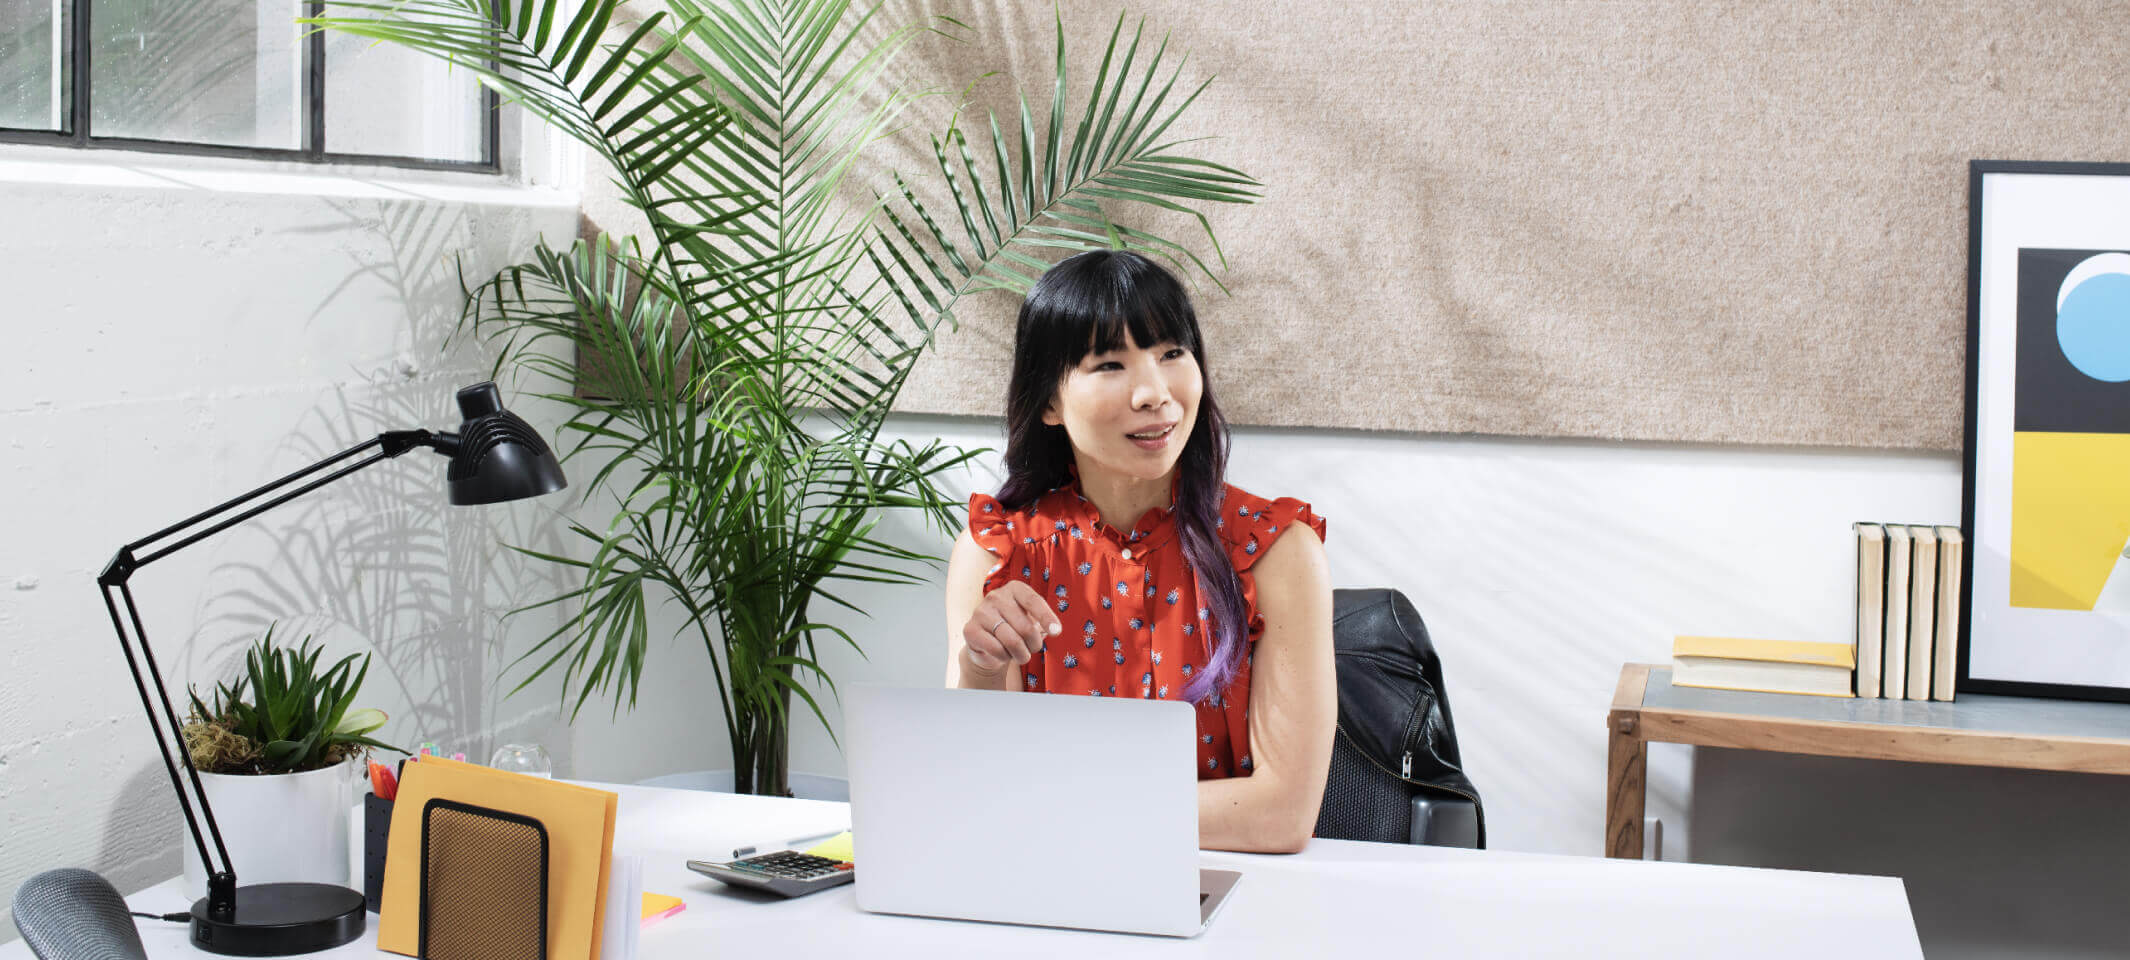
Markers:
point(1043, 186)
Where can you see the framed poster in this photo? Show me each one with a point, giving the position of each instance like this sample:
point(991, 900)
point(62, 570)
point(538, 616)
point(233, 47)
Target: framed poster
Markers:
point(2046, 508)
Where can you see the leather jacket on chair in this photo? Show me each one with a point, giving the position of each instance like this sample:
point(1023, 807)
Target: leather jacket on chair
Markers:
point(1395, 753)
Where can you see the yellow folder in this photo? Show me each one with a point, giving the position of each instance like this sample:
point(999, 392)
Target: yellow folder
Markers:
point(580, 843)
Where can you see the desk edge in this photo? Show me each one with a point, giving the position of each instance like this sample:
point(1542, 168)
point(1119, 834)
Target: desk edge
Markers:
point(1884, 741)
point(1627, 697)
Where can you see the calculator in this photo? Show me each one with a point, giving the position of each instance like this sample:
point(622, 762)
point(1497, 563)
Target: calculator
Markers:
point(786, 873)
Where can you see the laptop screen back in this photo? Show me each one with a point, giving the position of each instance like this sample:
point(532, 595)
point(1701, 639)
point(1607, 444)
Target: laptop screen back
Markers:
point(1059, 811)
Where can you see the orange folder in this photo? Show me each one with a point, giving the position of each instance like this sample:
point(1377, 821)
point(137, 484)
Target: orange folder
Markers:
point(580, 843)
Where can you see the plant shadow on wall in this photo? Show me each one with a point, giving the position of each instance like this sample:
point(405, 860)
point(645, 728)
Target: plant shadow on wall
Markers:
point(383, 554)
point(743, 352)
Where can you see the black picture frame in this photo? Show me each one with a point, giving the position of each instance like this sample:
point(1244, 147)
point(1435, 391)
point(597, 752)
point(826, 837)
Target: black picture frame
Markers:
point(1970, 681)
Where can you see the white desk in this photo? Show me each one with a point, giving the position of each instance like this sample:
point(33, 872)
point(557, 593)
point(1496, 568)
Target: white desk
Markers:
point(1336, 900)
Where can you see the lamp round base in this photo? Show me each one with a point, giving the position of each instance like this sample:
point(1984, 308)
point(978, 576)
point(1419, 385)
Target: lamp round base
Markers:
point(278, 919)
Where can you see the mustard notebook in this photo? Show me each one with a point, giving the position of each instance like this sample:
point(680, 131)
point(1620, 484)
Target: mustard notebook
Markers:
point(580, 827)
point(1765, 666)
point(1754, 648)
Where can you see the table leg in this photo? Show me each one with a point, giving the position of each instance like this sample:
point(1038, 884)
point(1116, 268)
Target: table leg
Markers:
point(1626, 788)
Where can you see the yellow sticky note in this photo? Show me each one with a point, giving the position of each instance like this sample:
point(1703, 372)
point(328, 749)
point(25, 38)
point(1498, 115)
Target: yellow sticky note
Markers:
point(837, 847)
point(658, 906)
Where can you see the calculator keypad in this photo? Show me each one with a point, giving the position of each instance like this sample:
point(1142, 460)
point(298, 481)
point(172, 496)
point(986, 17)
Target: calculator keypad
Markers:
point(791, 865)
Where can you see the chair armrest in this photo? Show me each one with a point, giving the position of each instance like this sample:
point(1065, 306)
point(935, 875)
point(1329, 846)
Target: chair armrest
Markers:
point(1445, 821)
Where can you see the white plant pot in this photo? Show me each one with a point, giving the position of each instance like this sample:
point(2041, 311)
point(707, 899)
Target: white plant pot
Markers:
point(278, 827)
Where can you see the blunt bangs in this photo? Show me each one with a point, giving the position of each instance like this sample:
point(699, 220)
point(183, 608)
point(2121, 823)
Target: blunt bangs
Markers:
point(1153, 316)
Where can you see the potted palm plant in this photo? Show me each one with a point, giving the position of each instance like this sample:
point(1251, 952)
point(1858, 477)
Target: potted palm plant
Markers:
point(276, 750)
point(735, 363)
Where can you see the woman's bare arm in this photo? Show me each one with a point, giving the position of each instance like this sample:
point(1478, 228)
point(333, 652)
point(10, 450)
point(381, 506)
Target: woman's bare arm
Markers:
point(966, 570)
point(1293, 711)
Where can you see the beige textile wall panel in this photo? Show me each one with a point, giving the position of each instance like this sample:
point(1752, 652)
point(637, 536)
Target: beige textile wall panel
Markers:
point(1713, 221)
point(1682, 220)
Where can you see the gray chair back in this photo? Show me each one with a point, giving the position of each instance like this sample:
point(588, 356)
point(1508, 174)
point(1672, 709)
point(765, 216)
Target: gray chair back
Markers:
point(73, 914)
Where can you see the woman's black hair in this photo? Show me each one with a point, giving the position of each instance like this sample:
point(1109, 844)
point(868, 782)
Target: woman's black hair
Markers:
point(1084, 305)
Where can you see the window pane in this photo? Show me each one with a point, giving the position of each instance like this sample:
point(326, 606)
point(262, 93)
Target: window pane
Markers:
point(384, 100)
point(198, 71)
point(33, 75)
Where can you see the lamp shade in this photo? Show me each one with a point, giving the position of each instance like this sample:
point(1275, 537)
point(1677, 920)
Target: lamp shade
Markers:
point(499, 457)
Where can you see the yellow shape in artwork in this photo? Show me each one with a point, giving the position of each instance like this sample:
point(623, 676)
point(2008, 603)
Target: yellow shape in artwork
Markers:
point(2070, 516)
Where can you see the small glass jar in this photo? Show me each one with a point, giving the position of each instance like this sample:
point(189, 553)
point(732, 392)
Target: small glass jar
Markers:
point(526, 758)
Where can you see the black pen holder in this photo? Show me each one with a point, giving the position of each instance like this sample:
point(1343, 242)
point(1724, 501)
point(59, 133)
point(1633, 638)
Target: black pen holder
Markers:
point(376, 832)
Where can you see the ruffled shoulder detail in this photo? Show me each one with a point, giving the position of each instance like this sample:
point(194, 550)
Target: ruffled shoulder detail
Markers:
point(1003, 533)
point(1248, 524)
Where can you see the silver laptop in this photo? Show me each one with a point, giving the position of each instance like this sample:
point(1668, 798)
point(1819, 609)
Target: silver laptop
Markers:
point(1057, 811)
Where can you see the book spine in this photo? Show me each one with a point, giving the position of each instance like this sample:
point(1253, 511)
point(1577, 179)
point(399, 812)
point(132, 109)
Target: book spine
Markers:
point(1899, 553)
point(1951, 546)
point(1922, 611)
point(1870, 606)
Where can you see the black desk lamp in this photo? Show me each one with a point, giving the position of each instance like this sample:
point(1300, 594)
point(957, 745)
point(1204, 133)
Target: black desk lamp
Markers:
point(494, 457)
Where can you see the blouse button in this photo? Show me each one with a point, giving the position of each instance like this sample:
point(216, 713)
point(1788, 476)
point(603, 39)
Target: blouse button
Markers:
point(1127, 553)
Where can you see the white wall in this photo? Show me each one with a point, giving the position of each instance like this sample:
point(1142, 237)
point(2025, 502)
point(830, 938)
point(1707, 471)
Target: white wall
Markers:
point(1540, 567)
point(184, 330)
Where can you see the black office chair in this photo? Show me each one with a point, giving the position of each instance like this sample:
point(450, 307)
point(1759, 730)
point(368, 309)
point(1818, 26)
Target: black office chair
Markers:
point(1396, 774)
point(73, 914)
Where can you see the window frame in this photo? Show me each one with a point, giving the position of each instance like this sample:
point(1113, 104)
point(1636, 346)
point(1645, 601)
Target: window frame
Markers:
point(79, 97)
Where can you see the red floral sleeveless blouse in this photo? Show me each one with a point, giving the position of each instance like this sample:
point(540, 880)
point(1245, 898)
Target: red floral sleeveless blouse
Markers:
point(1134, 623)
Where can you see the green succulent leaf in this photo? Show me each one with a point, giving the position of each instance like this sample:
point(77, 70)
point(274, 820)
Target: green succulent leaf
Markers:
point(359, 722)
point(285, 753)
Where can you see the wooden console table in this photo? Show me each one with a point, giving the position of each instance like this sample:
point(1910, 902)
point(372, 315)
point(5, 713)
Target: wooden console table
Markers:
point(1976, 730)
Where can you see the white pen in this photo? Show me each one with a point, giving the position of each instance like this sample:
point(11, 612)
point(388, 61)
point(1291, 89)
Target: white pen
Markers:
point(749, 851)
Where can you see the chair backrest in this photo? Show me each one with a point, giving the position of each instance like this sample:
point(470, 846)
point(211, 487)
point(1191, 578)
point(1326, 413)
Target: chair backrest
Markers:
point(73, 914)
point(1395, 736)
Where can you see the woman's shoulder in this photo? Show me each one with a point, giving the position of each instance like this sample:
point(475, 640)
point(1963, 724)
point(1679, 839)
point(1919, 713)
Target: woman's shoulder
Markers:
point(1018, 537)
point(1249, 523)
point(1242, 505)
point(986, 509)
point(1004, 529)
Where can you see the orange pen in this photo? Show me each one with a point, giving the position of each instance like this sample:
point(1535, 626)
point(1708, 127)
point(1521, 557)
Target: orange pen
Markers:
point(382, 782)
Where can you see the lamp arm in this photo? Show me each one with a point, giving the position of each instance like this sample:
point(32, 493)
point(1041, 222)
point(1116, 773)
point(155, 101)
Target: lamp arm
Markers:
point(222, 882)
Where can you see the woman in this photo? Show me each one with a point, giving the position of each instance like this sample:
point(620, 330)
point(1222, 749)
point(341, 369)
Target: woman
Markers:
point(1116, 561)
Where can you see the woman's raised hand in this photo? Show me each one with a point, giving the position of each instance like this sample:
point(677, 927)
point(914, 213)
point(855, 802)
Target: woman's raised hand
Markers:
point(1008, 627)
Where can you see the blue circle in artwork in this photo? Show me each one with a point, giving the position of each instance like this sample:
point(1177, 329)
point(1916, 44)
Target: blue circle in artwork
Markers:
point(2093, 327)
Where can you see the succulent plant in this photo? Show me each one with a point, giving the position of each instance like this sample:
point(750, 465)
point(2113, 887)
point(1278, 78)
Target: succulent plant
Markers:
point(283, 715)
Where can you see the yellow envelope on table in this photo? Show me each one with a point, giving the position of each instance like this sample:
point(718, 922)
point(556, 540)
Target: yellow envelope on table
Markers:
point(580, 844)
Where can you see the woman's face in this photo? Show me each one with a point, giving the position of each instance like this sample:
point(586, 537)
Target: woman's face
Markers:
point(1108, 397)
